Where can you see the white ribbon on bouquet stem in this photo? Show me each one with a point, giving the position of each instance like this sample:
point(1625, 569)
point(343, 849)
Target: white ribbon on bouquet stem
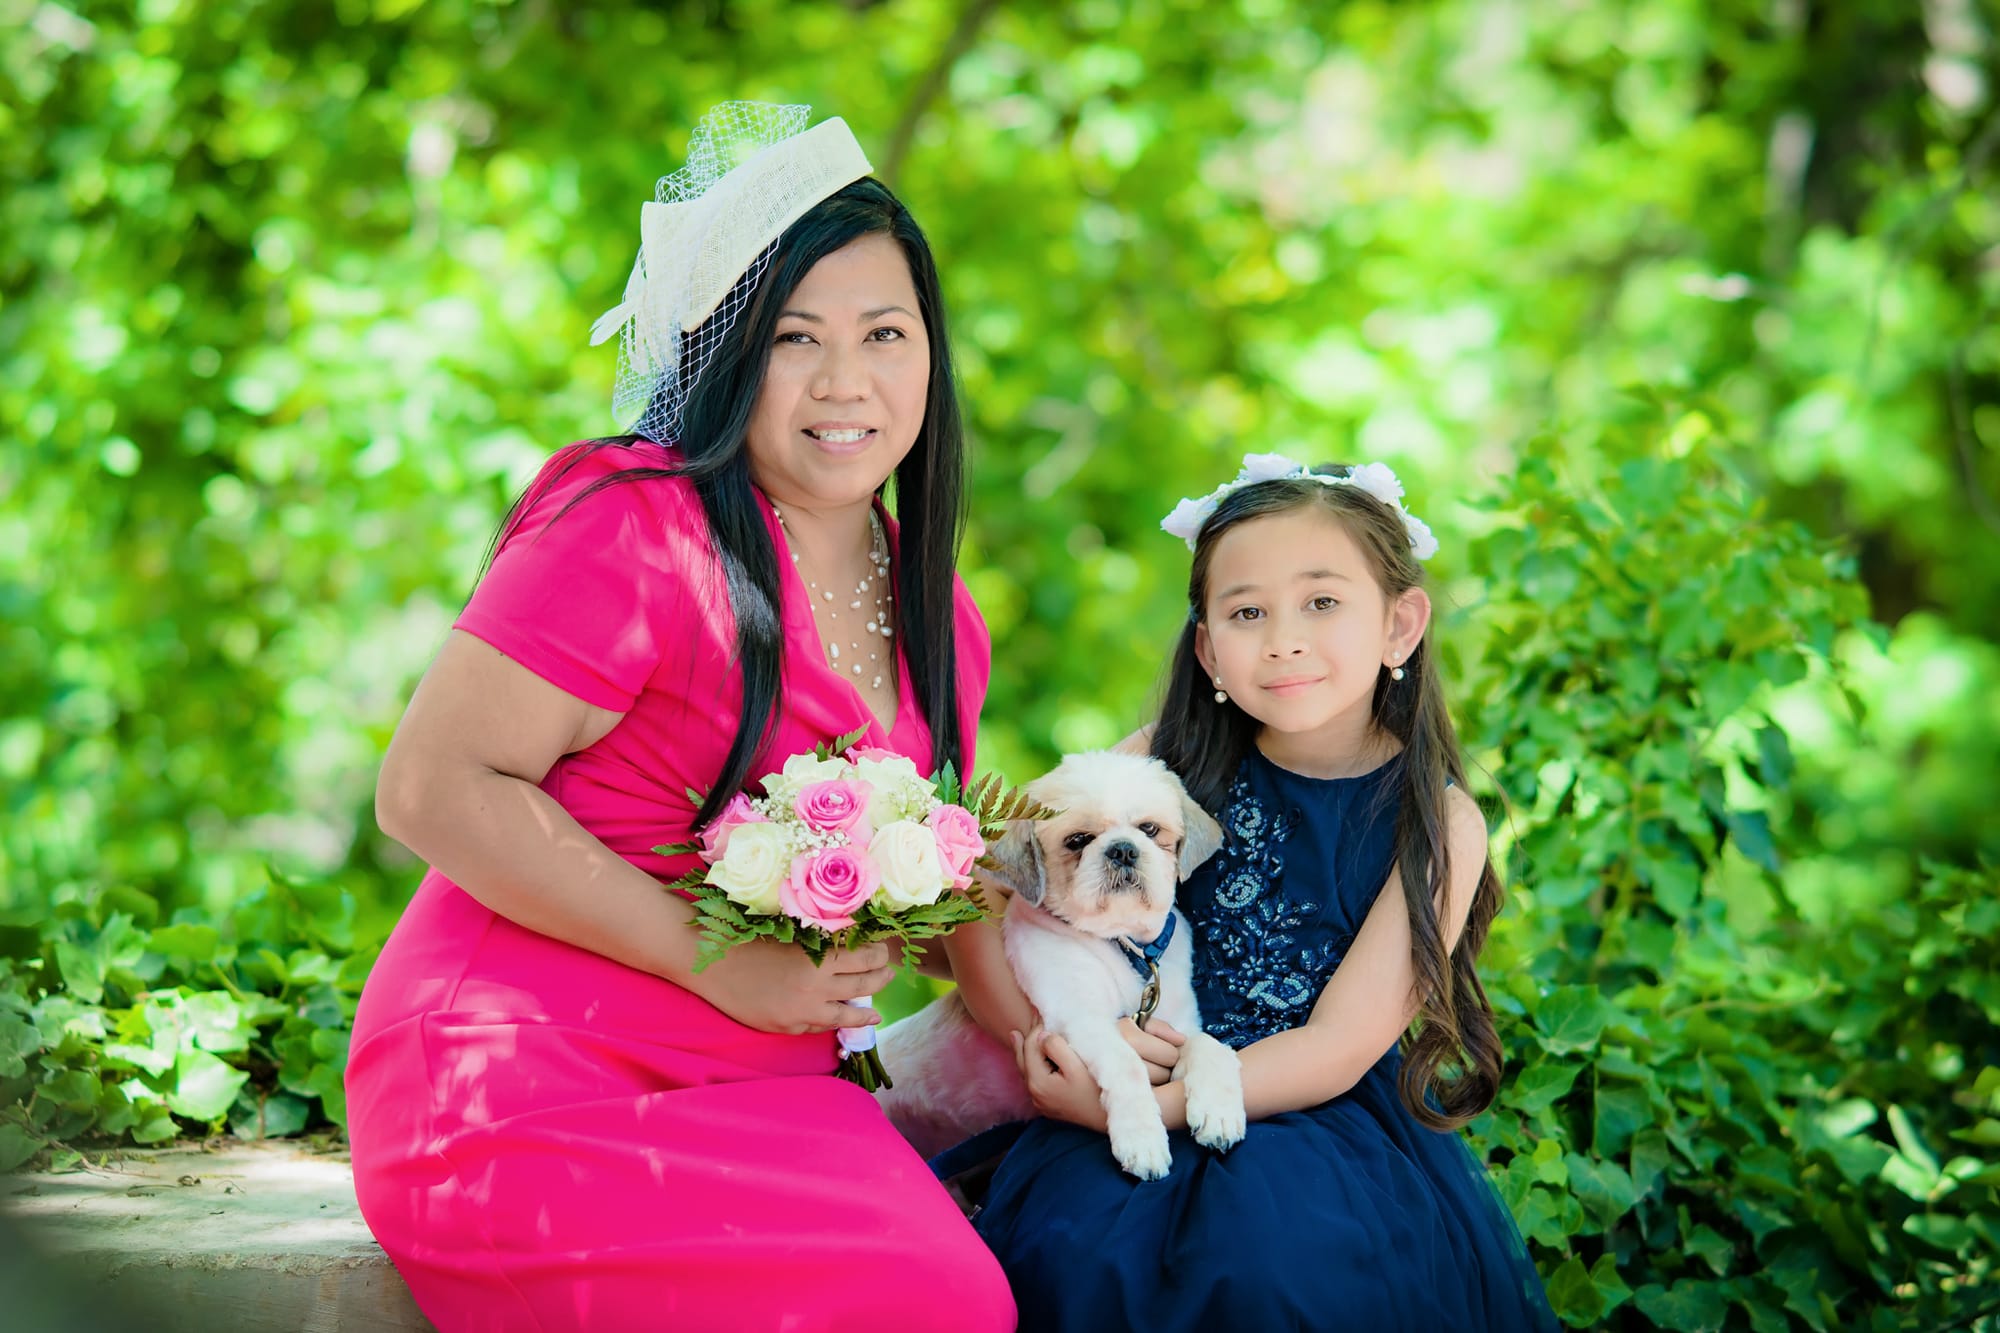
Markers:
point(854, 1041)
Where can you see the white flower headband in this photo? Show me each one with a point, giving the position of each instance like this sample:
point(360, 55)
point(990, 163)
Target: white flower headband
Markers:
point(1376, 479)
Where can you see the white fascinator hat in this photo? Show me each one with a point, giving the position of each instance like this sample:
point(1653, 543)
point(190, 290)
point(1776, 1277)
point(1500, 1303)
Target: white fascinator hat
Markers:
point(753, 169)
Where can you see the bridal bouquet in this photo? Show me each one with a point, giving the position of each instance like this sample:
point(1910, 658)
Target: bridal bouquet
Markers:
point(845, 847)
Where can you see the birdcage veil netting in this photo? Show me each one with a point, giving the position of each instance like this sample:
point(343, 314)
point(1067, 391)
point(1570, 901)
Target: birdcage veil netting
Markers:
point(753, 169)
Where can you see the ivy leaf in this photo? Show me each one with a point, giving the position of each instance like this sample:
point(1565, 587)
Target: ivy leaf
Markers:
point(1942, 1231)
point(1689, 1306)
point(1708, 1245)
point(82, 968)
point(1540, 1217)
point(1619, 1112)
point(1610, 1285)
point(1650, 1157)
point(276, 1116)
point(1750, 830)
point(327, 1085)
point(1774, 757)
point(1801, 1271)
point(1764, 1319)
point(156, 1124)
point(1542, 1084)
point(1984, 1134)
point(330, 1046)
point(1571, 1018)
point(1604, 1189)
point(1986, 1089)
point(1910, 1141)
point(192, 941)
point(151, 1059)
point(204, 1087)
point(1582, 1297)
point(1573, 1296)
point(215, 1022)
point(73, 1090)
point(19, 1039)
point(1858, 1159)
point(1913, 1168)
point(17, 1145)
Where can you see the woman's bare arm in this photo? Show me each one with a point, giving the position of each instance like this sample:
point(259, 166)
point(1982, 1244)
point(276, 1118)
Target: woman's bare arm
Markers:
point(459, 788)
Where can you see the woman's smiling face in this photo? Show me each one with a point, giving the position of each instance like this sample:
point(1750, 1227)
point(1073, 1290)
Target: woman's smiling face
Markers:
point(846, 380)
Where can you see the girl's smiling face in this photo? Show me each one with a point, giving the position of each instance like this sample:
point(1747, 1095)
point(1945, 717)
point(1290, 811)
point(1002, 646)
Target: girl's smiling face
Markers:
point(845, 384)
point(1299, 629)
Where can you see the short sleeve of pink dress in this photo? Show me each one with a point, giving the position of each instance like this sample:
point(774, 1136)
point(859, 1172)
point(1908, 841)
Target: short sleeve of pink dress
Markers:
point(543, 1138)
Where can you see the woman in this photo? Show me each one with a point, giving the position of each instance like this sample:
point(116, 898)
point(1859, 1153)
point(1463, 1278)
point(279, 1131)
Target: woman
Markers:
point(556, 1122)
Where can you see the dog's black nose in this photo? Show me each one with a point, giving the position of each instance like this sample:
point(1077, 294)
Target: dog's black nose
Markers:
point(1122, 854)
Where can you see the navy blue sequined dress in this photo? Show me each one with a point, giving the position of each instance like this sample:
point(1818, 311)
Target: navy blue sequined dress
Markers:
point(1348, 1215)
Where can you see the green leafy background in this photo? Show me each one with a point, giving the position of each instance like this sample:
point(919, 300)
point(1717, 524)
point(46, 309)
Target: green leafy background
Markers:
point(1677, 317)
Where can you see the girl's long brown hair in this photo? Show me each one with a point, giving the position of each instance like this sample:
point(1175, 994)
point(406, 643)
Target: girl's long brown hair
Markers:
point(1451, 1056)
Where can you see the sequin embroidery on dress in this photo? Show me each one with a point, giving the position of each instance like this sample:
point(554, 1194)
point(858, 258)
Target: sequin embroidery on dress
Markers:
point(1264, 956)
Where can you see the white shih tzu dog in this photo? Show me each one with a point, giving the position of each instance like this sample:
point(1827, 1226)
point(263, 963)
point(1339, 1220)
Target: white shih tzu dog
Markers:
point(1093, 936)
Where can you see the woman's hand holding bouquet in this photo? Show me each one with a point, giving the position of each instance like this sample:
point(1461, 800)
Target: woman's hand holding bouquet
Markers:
point(845, 850)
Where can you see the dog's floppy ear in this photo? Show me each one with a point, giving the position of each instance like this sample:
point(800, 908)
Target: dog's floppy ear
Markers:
point(1015, 860)
point(1200, 838)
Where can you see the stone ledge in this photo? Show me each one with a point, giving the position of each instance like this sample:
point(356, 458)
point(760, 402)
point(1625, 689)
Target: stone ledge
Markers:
point(248, 1236)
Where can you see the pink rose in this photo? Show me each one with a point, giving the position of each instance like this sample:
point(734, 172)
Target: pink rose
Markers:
point(827, 888)
point(715, 838)
point(875, 753)
point(959, 843)
point(833, 806)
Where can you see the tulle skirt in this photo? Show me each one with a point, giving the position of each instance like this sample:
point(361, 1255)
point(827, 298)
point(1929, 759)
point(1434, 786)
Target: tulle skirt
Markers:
point(1350, 1215)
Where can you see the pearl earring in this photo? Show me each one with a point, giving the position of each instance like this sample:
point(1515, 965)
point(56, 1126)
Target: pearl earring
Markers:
point(1220, 696)
point(1395, 673)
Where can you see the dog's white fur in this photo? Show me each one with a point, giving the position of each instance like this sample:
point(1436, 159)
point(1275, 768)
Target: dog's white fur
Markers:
point(1069, 907)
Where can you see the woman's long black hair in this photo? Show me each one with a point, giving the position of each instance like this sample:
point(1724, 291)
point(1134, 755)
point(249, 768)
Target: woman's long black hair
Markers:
point(929, 483)
point(1451, 1066)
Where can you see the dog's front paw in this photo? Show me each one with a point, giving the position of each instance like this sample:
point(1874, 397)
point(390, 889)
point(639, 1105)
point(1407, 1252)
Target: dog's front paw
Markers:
point(1214, 1081)
point(1215, 1114)
point(1143, 1152)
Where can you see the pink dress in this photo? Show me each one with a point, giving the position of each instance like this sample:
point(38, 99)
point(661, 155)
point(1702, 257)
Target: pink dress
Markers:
point(546, 1139)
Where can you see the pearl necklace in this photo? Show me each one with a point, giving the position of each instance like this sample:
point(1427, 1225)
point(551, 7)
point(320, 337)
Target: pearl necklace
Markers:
point(880, 599)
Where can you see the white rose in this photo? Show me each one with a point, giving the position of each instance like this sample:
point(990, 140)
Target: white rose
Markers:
point(888, 773)
point(1267, 467)
point(757, 862)
point(800, 772)
point(891, 780)
point(912, 872)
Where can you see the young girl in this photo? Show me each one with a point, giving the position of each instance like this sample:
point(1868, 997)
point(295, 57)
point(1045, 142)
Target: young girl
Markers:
point(1351, 897)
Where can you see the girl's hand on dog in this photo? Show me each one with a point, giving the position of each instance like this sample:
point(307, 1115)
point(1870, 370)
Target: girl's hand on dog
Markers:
point(1159, 1046)
point(1058, 1083)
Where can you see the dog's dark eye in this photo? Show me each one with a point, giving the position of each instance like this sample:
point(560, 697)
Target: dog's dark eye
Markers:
point(1150, 829)
point(1076, 842)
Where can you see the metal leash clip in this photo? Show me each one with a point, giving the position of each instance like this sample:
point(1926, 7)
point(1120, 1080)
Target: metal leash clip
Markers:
point(1149, 998)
